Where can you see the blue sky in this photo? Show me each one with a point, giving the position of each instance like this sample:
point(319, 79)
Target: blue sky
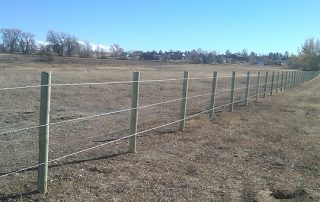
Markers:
point(256, 25)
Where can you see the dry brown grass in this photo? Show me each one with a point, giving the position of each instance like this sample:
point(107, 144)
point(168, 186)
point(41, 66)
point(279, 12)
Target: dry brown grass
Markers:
point(269, 148)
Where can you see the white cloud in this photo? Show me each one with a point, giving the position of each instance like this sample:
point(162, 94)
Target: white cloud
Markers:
point(41, 43)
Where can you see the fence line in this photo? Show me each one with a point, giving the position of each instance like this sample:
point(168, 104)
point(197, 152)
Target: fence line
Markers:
point(292, 80)
point(117, 111)
point(123, 138)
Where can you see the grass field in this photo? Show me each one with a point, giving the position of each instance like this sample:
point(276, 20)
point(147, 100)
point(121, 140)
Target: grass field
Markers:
point(266, 151)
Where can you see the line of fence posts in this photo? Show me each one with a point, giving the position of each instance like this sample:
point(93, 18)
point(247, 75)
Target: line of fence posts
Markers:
point(287, 80)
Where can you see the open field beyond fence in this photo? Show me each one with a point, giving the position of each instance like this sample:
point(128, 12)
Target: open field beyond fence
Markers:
point(90, 109)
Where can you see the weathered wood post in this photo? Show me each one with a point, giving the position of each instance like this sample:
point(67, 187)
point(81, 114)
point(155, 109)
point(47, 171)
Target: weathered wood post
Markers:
point(281, 84)
point(289, 79)
point(293, 79)
point(44, 121)
point(278, 80)
point(134, 112)
point(272, 84)
point(265, 85)
point(213, 94)
point(258, 87)
point(300, 78)
point(247, 89)
point(233, 82)
point(285, 81)
point(184, 101)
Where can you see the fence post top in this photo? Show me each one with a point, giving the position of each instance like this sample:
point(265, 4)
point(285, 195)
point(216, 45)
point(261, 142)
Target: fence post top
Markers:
point(46, 72)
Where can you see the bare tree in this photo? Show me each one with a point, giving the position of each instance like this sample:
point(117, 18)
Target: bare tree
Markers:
point(27, 42)
point(85, 49)
point(10, 39)
point(62, 43)
point(70, 44)
point(56, 42)
point(116, 50)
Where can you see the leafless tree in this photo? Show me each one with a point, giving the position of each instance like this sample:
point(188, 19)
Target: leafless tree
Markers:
point(70, 44)
point(62, 43)
point(85, 49)
point(56, 42)
point(116, 50)
point(26, 42)
point(10, 39)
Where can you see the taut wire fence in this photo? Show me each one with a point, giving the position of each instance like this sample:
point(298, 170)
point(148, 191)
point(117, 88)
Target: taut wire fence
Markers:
point(255, 87)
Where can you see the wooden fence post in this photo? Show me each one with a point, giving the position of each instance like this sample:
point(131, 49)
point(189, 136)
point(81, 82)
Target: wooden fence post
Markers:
point(258, 87)
point(293, 79)
point(281, 84)
point(44, 131)
point(233, 81)
point(134, 112)
point(285, 81)
point(213, 94)
point(278, 79)
point(247, 89)
point(184, 101)
point(289, 80)
point(272, 84)
point(265, 85)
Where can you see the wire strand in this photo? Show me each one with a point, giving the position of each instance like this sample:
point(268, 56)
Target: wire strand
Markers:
point(119, 111)
point(119, 139)
point(113, 82)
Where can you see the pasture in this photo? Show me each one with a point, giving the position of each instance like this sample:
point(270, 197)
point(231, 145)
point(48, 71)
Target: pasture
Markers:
point(269, 149)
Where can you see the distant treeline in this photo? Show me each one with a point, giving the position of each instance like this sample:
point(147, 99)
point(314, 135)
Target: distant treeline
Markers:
point(64, 44)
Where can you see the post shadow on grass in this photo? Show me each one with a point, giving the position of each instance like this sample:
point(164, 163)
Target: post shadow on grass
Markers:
point(4, 197)
point(72, 162)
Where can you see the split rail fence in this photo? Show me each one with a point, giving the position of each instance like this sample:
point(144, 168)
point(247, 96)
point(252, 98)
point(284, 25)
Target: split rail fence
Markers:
point(279, 82)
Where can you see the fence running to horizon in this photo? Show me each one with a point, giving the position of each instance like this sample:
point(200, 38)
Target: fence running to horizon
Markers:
point(222, 93)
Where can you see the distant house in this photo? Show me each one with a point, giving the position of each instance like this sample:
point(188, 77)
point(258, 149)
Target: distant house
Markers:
point(234, 58)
